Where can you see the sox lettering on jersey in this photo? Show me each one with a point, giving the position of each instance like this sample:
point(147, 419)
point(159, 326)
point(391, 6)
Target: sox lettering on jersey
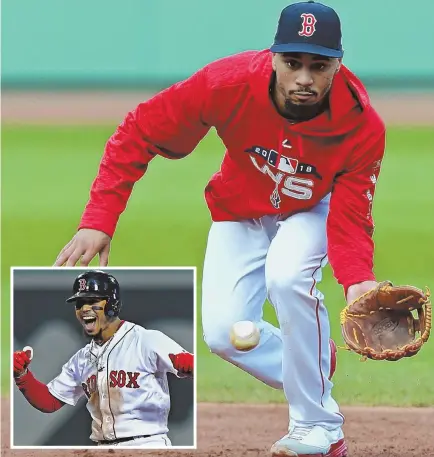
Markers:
point(308, 25)
point(123, 378)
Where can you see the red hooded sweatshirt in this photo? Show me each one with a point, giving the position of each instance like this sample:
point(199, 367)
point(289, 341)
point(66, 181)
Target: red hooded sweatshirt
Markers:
point(271, 166)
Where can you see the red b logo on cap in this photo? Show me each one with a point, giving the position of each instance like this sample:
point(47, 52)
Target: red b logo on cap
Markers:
point(308, 26)
point(81, 284)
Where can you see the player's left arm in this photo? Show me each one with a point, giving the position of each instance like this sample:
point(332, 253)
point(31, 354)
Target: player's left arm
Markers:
point(168, 356)
point(350, 225)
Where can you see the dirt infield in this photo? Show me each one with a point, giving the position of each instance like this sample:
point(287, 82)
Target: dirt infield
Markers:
point(93, 107)
point(249, 430)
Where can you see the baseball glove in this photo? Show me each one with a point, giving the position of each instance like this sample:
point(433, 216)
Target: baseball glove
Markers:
point(380, 325)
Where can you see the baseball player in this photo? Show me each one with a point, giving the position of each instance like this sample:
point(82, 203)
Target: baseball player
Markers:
point(122, 371)
point(295, 190)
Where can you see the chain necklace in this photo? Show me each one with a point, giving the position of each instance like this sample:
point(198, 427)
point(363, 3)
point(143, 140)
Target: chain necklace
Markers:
point(96, 359)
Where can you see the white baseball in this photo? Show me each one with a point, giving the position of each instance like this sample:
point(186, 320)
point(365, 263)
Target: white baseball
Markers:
point(29, 348)
point(244, 335)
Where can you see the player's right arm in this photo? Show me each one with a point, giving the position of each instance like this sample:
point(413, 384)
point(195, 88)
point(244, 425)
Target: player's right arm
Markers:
point(35, 392)
point(170, 124)
point(48, 398)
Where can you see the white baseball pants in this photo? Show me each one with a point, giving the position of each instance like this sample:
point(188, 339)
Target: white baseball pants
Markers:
point(244, 263)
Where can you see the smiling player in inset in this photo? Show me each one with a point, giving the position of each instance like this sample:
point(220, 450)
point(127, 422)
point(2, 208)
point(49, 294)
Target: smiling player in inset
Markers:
point(122, 371)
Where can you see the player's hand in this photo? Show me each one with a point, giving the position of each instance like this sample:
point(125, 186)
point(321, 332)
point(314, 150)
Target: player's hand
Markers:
point(84, 246)
point(183, 362)
point(21, 362)
point(356, 290)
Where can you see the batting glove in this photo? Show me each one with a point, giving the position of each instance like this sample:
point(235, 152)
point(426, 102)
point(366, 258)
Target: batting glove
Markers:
point(183, 362)
point(21, 362)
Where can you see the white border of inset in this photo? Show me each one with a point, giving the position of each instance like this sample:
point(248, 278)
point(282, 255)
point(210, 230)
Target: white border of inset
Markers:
point(111, 268)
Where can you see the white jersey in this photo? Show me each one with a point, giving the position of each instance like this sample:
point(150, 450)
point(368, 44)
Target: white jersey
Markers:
point(125, 381)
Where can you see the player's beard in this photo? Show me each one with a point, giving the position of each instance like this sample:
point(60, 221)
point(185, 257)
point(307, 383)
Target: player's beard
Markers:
point(299, 113)
point(89, 338)
point(98, 337)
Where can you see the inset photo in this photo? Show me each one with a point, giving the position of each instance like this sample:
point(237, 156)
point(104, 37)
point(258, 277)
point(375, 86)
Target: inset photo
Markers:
point(103, 357)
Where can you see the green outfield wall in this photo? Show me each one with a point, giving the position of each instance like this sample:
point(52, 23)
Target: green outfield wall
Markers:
point(141, 42)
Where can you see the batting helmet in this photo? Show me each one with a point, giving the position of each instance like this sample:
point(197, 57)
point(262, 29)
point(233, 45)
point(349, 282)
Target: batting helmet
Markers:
point(98, 284)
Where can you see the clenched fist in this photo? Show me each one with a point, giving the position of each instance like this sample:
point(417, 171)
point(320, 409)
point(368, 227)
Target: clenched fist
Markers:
point(21, 362)
point(183, 362)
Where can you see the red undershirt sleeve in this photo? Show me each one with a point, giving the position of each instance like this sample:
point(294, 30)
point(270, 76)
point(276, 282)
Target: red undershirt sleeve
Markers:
point(37, 393)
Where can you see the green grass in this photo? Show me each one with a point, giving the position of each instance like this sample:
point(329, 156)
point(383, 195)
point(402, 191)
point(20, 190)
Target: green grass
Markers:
point(46, 175)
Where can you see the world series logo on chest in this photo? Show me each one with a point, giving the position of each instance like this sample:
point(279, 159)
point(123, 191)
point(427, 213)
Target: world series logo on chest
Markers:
point(286, 167)
point(286, 164)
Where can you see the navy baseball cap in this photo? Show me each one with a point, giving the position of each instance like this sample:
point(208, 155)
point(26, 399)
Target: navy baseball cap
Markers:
point(309, 27)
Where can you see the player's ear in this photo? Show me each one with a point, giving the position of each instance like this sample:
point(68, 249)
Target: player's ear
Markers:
point(274, 60)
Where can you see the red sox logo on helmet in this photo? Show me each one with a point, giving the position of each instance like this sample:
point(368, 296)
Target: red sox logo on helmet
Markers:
point(308, 25)
point(81, 284)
